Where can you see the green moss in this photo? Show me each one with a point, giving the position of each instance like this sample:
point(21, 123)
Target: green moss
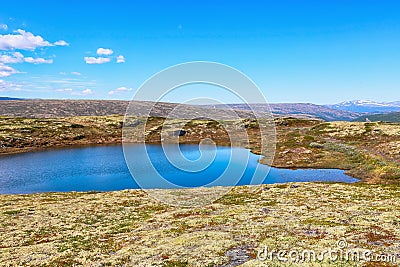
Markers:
point(237, 198)
point(309, 138)
point(174, 263)
point(321, 128)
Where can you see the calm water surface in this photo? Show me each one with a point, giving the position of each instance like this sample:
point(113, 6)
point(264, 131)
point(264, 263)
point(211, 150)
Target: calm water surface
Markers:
point(103, 168)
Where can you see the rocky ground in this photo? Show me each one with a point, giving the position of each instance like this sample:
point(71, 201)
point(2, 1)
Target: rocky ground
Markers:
point(127, 228)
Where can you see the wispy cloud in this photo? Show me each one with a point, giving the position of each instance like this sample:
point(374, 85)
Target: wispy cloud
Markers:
point(53, 83)
point(38, 60)
point(72, 72)
point(64, 90)
point(104, 51)
point(6, 71)
point(120, 90)
point(96, 60)
point(6, 86)
point(120, 59)
point(3, 27)
point(71, 91)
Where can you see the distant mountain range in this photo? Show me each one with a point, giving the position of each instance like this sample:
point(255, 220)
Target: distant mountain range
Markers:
point(367, 106)
point(302, 110)
point(9, 98)
point(358, 110)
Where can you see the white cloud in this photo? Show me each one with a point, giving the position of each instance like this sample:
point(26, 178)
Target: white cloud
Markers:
point(96, 60)
point(21, 40)
point(73, 92)
point(3, 27)
point(104, 51)
point(87, 92)
point(38, 60)
point(16, 57)
point(61, 43)
point(25, 41)
point(120, 90)
point(120, 59)
point(83, 92)
point(6, 71)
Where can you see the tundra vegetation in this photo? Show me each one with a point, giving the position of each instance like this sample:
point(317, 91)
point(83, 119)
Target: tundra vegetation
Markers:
point(127, 228)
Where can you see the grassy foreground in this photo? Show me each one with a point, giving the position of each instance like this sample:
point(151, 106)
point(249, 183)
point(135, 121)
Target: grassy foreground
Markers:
point(127, 228)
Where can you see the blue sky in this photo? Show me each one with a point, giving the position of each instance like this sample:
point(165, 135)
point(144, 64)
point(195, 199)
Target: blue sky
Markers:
point(296, 51)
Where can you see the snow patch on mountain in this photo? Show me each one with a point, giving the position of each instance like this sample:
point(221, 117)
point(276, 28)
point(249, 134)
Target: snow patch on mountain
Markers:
point(367, 106)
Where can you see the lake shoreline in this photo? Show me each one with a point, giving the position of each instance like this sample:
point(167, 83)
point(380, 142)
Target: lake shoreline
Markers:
point(49, 172)
point(72, 146)
point(369, 152)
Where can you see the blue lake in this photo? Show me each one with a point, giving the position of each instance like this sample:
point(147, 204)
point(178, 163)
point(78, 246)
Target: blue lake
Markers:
point(103, 168)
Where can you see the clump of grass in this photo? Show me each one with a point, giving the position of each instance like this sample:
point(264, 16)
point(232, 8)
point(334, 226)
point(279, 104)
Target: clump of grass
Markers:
point(12, 212)
point(316, 145)
point(339, 147)
point(321, 128)
point(237, 199)
point(309, 138)
point(175, 263)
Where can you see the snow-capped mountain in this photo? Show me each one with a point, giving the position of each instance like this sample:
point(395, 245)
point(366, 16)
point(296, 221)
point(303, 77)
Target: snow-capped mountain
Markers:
point(367, 106)
point(395, 103)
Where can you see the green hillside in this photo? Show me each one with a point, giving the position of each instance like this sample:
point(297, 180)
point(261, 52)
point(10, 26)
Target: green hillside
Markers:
point(388, 117)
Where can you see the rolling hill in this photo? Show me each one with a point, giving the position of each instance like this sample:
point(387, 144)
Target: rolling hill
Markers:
point(68, 108)
point(9, 98)
point(387, 117)
point(303, 110)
